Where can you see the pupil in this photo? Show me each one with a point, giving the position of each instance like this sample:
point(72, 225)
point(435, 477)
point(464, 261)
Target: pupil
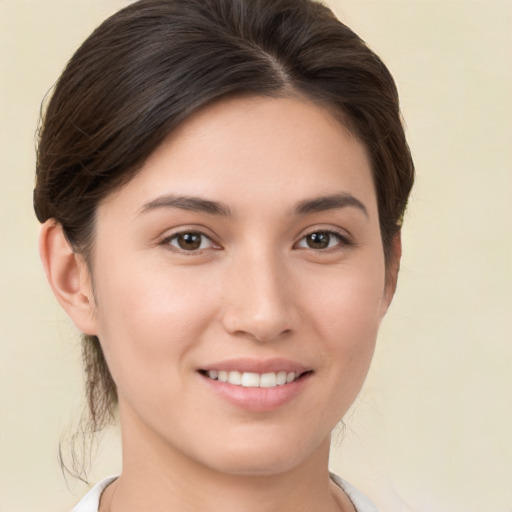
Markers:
point(189, 241)
point(319, 240)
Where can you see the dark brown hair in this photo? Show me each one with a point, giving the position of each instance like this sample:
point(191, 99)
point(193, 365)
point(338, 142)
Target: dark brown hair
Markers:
point(152, 64)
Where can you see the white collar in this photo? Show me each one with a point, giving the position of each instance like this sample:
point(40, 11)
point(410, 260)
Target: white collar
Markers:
point(91, 501)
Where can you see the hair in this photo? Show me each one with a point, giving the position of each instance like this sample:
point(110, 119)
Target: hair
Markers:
point(152, 64)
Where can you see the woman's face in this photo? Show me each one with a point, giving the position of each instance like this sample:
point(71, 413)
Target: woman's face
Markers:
point(247, 248)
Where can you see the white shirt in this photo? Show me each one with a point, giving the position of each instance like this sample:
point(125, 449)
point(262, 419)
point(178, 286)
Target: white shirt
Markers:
point(91, 501)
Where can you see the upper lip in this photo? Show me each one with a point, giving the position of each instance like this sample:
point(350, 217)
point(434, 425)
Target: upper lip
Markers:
point(257, 365)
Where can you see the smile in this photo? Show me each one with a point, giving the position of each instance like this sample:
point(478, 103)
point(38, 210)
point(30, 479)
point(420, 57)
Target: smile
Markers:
point(257, 386)
point(254, 380)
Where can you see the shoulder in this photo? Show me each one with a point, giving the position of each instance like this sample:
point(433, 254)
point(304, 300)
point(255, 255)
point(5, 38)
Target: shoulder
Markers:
point(91, 501)
point(359, 500)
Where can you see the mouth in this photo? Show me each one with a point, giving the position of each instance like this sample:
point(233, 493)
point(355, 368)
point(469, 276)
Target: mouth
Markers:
point(253, 379)
point(257, 385)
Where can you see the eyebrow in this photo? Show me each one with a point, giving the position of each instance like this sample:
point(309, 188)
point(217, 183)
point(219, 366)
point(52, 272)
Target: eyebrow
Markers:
point(191, 203)
point(198, 204)
point(331, 202)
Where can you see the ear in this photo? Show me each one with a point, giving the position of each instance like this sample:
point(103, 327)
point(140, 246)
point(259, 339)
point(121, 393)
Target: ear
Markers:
point(68, 276)
point(392, 268)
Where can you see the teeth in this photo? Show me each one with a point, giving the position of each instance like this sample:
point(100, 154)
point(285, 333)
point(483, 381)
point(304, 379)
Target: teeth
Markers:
point(253, 380)
point(281, 378)
point(268, 380)
point(235, 378)
point(249, 380)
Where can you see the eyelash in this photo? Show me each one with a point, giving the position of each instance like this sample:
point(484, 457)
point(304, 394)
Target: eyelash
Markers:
point(342, 241)
point(168, 242)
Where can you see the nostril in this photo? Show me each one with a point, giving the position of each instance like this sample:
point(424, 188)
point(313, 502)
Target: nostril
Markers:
point(259, 305)
point(269, 335)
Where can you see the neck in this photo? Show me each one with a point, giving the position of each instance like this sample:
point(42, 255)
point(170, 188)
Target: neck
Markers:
point(158, 477)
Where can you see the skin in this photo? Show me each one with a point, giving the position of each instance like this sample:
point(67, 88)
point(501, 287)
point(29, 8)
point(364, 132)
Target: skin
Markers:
point(257, 287)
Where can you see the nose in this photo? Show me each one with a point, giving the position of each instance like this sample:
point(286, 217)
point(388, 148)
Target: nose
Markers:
point(259, 302)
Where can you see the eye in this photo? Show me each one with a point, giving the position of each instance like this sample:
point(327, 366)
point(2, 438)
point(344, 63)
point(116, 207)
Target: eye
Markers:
point(321, 240)
point(189, 241)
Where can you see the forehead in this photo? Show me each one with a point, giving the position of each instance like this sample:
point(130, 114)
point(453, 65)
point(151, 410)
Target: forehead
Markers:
point(255, 148)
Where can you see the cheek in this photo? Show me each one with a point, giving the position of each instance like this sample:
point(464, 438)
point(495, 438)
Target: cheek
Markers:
point(149, 315)
point(346, 313)
point(347, 302)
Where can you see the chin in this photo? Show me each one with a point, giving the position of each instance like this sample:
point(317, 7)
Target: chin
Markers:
point(270, 456)
point(263, 466)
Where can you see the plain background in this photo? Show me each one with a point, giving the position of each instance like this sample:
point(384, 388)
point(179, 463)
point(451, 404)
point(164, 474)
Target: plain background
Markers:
point(431, 429)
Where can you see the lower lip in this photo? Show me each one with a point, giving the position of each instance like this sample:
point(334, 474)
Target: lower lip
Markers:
point(258, 399)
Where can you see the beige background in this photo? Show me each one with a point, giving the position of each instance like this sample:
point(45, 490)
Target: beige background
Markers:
point(431, 431)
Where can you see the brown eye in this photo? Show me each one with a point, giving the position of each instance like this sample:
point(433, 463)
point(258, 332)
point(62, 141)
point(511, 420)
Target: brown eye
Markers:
point(320, 240)
point(190, 241)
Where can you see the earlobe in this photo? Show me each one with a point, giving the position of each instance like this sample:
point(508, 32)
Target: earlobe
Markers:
point(392, 269)
point(68, 276)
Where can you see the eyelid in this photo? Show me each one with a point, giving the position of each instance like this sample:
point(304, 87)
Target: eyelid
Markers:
point(199, 230)
point(345, 239)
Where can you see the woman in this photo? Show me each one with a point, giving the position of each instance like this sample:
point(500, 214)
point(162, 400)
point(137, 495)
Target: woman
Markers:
point(221, 185)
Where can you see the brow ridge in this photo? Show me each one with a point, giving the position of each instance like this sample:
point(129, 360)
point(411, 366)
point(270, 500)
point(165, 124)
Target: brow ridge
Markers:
point(198, 204)
point(191, 203)
point(329, 202)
